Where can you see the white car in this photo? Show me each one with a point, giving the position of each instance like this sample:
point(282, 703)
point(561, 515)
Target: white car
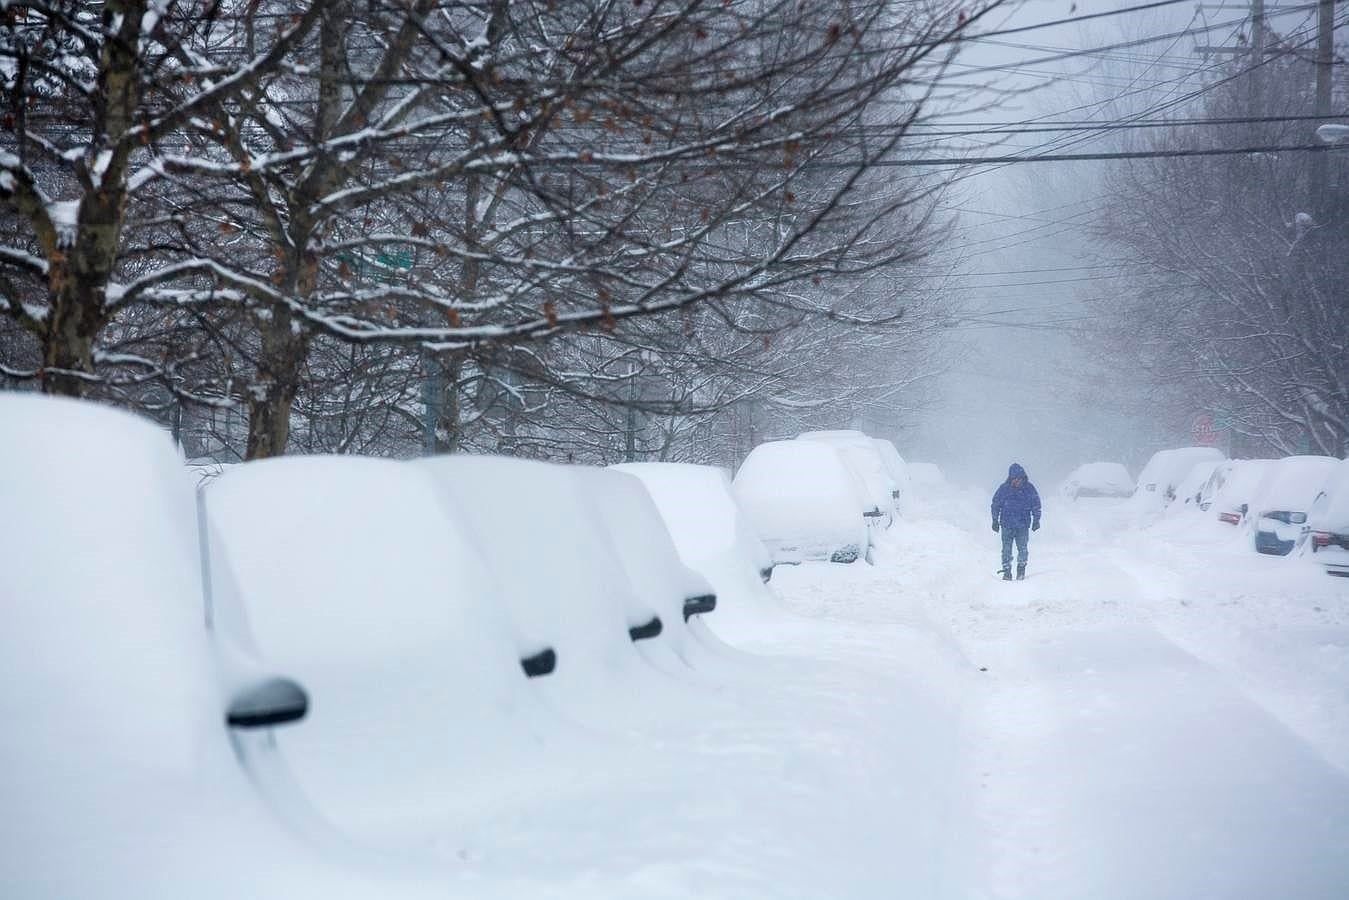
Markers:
point(1244, 483)
point(1157, 483)
point(1329, 523)
point(1098, 479)
point(1190, 490)
point(712, 534)
point(1282, 508)
point(124, 705)
point(804, 502)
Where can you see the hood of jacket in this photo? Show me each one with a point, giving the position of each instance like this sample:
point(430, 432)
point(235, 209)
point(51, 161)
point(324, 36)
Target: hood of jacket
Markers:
point(1015, 471)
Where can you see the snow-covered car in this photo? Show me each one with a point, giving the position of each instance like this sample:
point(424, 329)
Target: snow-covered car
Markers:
point(644, 548)
point(1098, 479)
point(1283, 506)
point(711, 533)
point(1157, 483)
point(562, 581)
point(1245, 482)
point(123, 704)
point(350, 573)
point(860, 454)
point(804, 502)
point(1190, 490)
point(1328, 537)
point(1214, 485)
point(698, 506)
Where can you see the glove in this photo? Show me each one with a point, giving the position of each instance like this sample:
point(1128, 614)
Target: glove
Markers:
point(1035, 526)
point(995, 526)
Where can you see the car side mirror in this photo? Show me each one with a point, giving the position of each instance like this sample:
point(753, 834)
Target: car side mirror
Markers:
point(276, 701)
point(541, 663)
point(1244, 508)
point(703, 603)
point(645, 631)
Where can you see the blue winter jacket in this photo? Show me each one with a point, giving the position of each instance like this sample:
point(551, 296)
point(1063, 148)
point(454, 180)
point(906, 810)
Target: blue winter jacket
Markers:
point(1016, 507)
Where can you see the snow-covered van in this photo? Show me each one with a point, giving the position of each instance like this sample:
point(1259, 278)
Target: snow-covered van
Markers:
point(1098, 479)
point(804, 502)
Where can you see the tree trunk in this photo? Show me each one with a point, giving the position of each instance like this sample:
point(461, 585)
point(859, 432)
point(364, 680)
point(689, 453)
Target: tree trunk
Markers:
point(272, 394)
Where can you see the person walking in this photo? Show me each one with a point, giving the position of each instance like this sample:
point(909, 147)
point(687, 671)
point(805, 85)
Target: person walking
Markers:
point(1016, 513)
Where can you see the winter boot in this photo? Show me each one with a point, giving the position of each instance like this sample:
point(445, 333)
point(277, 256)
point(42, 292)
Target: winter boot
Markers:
point(1006, 574)
point(1020, 572)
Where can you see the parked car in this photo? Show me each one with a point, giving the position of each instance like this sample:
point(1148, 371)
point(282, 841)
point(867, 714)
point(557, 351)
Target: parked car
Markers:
point(1243, 486)
point(1283, 506)
point(124, 705)
point(1214, 485)
point(712, 535)
point(350, 572)
point(1157, 483)
point(861, 455)
point(1191, 488)
point(642, 544)
point(1098, 479)
point(699, 508)
point(804, 502)
point(1329, 523)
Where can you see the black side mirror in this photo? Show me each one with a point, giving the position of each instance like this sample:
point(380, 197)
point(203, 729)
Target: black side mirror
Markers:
point(645, 632)
point(703, 603)
point(765, 574)
point(541, 663)
point(275, 701)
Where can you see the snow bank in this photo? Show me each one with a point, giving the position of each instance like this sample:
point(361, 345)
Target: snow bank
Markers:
point(352, 576)
point(115, 766)
point(926, 476)
point(897, 469)
point(803, 502)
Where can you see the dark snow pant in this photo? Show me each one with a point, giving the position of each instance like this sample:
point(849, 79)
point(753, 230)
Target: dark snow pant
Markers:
point(1021, 536)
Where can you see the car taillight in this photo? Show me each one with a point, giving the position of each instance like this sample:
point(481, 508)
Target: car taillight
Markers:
point(1320, 539)
point(1230, 518)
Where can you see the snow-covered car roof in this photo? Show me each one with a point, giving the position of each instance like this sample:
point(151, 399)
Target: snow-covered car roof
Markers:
point(1166, 468)
point(1295, 482)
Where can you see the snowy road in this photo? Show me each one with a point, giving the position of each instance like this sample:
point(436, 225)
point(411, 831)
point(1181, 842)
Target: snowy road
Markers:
point(1137, 720)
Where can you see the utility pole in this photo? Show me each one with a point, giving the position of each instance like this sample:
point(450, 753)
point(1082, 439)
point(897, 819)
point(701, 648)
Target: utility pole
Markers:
point(1325, 49)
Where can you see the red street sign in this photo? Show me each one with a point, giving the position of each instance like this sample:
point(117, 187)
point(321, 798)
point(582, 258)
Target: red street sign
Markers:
point(1204, 432)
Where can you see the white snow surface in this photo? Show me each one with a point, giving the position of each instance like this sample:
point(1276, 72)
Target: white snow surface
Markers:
point(1154, 714)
